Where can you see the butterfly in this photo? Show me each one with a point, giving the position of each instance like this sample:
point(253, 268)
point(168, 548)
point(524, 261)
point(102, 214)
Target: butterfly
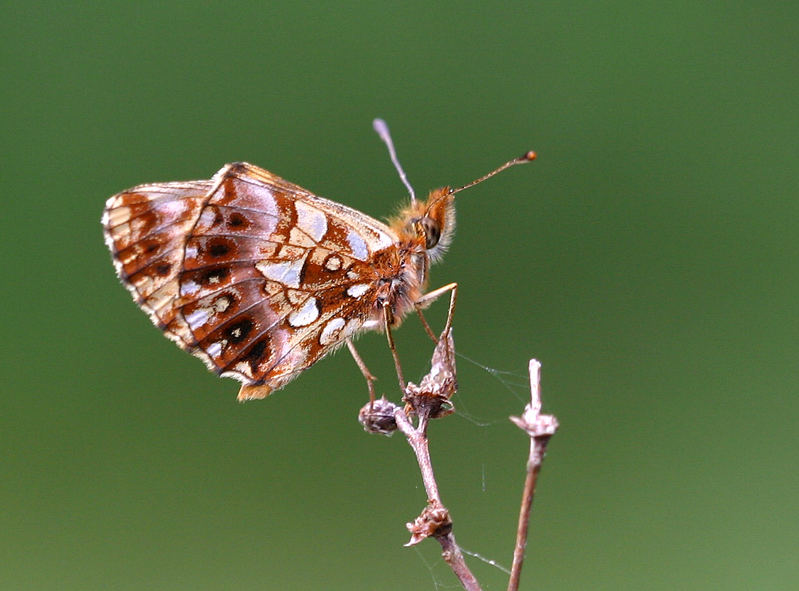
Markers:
point(261, 278)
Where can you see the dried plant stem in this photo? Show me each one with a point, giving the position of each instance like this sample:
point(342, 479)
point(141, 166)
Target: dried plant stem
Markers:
point(431, 399)
point(524, 524)
point(540, 428)
point(417, 438)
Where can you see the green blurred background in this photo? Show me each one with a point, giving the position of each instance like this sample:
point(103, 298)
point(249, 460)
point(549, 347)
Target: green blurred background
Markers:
point(648, 259)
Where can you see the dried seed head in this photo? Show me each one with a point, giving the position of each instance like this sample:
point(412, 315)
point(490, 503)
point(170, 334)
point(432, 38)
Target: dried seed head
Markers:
point(434, 521)
point(425, 403)
point(378, 417)
point(431, 398)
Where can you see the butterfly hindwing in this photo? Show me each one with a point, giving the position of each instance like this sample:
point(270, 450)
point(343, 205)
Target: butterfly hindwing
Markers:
point(145, 228)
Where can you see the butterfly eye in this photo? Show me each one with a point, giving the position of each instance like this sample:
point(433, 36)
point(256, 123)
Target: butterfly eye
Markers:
point(432, 231)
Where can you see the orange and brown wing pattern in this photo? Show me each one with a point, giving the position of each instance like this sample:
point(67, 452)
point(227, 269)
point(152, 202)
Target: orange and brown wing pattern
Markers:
point(145, 228)
point(272, 280)
point(254, 275)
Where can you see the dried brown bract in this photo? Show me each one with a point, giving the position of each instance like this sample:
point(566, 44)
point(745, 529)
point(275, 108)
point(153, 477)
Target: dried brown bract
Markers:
point(433, 522)
point(431, 398)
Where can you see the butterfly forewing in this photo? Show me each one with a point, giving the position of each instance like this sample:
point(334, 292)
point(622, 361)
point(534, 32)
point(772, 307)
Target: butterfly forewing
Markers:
point(253, 274)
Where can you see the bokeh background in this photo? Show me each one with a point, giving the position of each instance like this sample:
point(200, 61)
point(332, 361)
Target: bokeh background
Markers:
point(648, 259)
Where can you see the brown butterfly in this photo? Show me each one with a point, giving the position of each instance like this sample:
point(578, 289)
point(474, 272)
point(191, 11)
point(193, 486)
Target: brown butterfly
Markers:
point(260, 278)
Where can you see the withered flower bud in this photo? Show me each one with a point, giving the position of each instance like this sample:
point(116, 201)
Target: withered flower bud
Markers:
point(378, 417)
point(433, 522)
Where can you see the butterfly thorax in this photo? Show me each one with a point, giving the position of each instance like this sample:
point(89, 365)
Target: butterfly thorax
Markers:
point(400, 277)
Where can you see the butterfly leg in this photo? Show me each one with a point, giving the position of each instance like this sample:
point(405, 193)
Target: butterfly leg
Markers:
point(429, 298)
point(425, 325)
point(370, 379)
point(388, 319)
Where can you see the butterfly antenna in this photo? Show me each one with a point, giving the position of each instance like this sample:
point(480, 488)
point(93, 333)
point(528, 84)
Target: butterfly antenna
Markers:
point(524, 158)
point(382, 130)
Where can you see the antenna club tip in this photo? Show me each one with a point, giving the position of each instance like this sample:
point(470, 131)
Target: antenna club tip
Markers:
point(379, 125)
point(529, 156)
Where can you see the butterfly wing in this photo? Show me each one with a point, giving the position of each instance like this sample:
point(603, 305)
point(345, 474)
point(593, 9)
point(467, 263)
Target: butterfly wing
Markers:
point(265, 278)
point(145, 229)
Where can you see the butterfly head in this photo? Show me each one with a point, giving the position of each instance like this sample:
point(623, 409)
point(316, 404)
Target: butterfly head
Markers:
point(436, 224)
point(430, 224)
